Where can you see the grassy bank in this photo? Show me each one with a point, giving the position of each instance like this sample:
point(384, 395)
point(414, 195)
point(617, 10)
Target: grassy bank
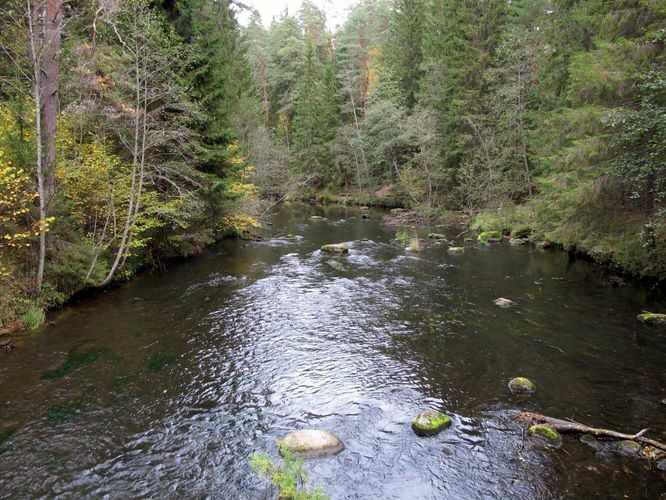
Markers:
point(622, 241)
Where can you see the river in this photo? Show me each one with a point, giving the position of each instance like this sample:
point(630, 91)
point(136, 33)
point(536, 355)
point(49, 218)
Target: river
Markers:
point(164, 386)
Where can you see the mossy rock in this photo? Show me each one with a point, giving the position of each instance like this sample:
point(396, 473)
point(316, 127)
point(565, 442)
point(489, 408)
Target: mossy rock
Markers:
point(309, 443)
point(437, 236)
point(544, 244)
point(522, 385)
point(652, 319)
point(456, 250)
point(317, 217)
point(430, 423)
point(335, 248)
point(547, 433)
point(516, 242)
point(468, 240)
point(490, 237)
point(627, 448)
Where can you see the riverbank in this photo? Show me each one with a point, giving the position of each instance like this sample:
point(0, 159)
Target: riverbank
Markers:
point(620, 240)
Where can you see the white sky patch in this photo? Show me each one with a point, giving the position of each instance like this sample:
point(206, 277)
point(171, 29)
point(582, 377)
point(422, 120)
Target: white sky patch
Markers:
point(336, 10)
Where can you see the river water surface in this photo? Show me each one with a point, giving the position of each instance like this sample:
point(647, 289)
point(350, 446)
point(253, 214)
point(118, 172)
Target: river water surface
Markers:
point(164, 386)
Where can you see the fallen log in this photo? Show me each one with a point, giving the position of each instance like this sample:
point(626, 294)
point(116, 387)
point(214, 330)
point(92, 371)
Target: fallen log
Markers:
point(566, 426)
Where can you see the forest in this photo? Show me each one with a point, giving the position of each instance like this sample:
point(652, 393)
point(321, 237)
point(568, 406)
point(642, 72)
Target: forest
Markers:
point(134, 132)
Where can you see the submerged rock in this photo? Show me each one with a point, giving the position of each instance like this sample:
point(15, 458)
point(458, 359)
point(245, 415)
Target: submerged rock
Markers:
point(437, 236)
point(429, 423)
point(627, 448)
point(504, 303)
point(522, 385)
point(547, 433)
point(456, 249)
point(335, 248)
point(308, 443)
point(335, 265)
point(652, 319)
point(591, 441)
point(490, 237)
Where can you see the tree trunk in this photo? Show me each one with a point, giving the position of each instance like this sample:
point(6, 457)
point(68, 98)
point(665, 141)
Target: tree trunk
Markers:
point(34, 22)
point(49, 91)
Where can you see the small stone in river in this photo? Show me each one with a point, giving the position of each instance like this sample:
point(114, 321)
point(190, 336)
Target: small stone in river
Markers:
point(335, 248)
point(437, 236)
point(517, 241)
point(456, 250)
point(365, 216)
point(490, 237)
point(652, 319)
point(522, 385)
point(364, 208)
point(627, 448)
point(661, 465)
point(309, 443)
point(548, 433)
point(591, 441)
point(544, 244)
point(504, 303)
point(335, 265)
point(316, 217)
point(429, 423)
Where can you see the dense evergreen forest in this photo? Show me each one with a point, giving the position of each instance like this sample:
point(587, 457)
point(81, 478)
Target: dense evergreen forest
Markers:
point(134, 131)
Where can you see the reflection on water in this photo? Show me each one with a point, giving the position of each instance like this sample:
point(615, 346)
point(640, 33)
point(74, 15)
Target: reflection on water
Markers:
point(195, 369)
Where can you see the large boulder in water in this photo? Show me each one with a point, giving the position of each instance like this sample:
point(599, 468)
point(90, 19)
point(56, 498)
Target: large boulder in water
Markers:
point(308, 443)
point(336, 248)
point(429, 423)
point(522, 385)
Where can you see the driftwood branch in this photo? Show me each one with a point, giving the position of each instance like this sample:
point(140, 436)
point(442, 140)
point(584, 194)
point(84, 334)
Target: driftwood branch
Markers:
point(566, 426)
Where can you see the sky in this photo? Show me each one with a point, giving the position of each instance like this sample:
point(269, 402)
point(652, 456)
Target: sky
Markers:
point(336, 10)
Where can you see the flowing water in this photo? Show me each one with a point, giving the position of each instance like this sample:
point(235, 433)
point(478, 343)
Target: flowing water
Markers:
point(164, 386)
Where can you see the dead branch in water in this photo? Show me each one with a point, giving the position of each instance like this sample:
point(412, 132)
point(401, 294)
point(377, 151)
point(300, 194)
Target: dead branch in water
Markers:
point(566, 426)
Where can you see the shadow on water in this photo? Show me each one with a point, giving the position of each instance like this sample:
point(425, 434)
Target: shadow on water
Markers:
point(163, 387)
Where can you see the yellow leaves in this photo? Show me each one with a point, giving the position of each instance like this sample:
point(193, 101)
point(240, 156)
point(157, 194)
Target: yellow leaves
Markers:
point(239, 189)
point(16, 197)
point(239, 223)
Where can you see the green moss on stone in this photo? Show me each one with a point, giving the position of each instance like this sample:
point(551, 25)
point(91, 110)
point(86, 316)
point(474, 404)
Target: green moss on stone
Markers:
point(429, 423)
point(338, 248)
point(548, 433)
point(487, 236)
point(522, 385)
point(653, 319)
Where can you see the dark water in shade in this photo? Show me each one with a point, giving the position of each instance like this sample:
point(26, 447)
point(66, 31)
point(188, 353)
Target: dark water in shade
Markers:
point(177, 377)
